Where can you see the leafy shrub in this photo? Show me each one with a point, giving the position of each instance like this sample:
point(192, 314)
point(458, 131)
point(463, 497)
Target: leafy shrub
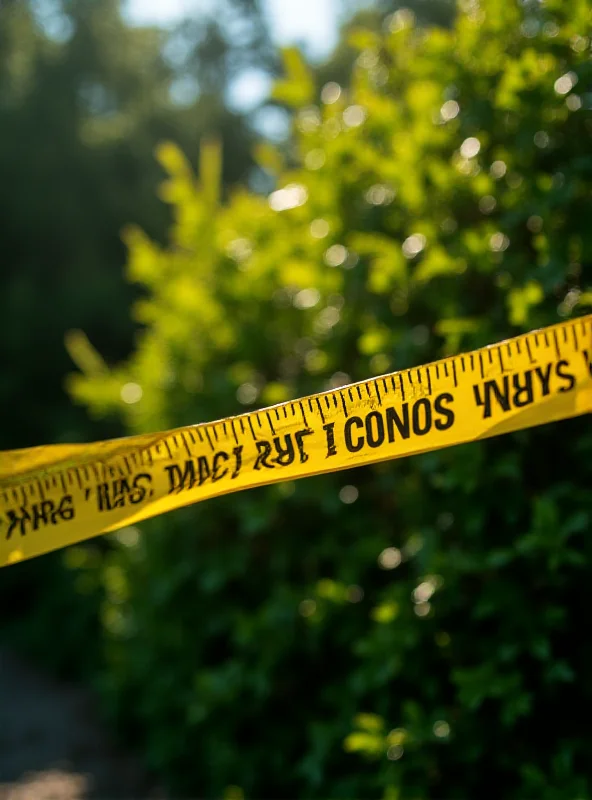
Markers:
point(422, 632)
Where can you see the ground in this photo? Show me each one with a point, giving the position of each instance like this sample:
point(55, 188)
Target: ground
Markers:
point(52, 745)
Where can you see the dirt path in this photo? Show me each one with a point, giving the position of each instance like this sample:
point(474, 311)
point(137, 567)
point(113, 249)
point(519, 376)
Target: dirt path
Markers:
point(52, 746)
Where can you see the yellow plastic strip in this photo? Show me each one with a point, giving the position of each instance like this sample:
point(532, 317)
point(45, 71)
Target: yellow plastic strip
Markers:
point(54, 496)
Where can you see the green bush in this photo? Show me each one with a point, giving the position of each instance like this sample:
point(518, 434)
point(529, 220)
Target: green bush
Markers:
point(428, 639)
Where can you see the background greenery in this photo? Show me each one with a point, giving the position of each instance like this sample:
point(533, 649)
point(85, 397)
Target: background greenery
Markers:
point(411, 630)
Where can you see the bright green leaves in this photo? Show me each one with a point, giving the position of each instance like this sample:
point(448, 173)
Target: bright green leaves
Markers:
point(210, 171)
point(521, 300)
point(385, 612)
point(454, 331)
point(297, 88)
point(388, 267)
point(527, 72)
point(369, 739)
point(436, 262)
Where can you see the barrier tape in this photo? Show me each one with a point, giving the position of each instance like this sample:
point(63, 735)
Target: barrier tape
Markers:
point(54, 496)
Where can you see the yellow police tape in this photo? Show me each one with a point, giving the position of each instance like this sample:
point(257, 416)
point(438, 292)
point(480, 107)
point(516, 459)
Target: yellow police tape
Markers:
point(54, 496)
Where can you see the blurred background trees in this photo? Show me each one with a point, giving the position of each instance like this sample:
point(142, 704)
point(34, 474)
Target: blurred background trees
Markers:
point(391, 632)
point(85, 98)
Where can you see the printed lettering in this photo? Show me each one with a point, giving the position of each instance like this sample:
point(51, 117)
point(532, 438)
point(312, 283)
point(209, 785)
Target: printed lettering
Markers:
point(285, 448)
point(217, 472)
point(374, 429)
point(571, 381)
point(352, 446)
point(300, 443)
point(393, 420)
point(285, 455)
point(422, 426)
point(15, 519)
point(264, 450)
point(24, 519)
point(138, 490)
point(180, 480)
point(524, 387)
point(330, 434)
point(545, 378)
point(378, 426)
point(441, 409)
point(491, 389)
point(238, 456)
point(119, 492)
point(203, 469)
point(523, 392)
point(196, 471)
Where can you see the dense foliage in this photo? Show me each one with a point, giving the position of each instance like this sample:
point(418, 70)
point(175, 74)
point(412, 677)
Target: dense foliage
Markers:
point(422, 632)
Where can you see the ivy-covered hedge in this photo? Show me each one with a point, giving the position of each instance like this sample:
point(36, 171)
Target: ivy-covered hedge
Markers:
point(417, 629)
